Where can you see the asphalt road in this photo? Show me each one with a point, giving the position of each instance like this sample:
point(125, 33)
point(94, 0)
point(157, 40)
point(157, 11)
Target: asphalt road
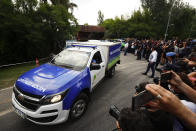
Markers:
point(117, 90)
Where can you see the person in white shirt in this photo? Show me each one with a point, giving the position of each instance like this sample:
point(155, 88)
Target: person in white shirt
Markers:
point(132, 48)
point(152, 62)
point(126, 47)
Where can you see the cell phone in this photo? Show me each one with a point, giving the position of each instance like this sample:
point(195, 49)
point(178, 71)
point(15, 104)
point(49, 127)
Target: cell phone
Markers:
point(140, 99)
point(165, 77)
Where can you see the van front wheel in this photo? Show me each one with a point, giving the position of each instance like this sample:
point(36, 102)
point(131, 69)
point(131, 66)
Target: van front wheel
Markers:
point(79, 106)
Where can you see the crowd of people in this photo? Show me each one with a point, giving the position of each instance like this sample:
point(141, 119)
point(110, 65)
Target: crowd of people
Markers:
point(164, 52)
point(174, 103)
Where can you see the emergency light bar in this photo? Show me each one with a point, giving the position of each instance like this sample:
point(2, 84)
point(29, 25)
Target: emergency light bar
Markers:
point(84, 46)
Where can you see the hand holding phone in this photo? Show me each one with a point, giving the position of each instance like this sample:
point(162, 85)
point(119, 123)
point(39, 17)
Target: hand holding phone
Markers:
point(141, 99)
point(166, 76)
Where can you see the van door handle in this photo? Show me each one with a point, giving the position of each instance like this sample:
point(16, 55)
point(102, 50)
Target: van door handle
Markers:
point(103, 66)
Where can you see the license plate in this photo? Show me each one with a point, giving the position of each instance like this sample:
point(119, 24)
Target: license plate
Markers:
point(20, 113)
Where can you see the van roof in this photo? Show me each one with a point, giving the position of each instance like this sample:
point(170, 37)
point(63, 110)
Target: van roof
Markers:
point(85, 49)
point(96, 43)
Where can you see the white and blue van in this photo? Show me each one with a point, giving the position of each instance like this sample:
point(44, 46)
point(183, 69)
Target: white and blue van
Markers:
point(58, 90)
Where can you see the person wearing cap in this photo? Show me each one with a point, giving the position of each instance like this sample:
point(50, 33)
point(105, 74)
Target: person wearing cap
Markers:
point(93, 61)
point(171, 57)
point(152, 62)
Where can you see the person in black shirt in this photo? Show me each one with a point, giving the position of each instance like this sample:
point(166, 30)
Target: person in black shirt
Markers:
point(159, 51)
point(139, 51)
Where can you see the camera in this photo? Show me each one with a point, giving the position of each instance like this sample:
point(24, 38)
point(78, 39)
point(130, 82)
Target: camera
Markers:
point(165, 77)
point(141, 99)
point(141, 87)
point(163, 81)
point(114, 112)
point(142, 96)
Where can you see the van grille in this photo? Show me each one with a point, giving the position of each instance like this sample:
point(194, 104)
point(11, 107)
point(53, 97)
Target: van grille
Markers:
point(28, 103)
point(29, 94)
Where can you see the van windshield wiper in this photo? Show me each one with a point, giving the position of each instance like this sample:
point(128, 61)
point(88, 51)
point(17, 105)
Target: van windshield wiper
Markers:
point(67, 66)
point(61, 65)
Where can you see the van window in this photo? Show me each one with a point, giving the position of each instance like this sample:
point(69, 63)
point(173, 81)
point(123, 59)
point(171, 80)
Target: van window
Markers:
point(97, 58)
point(76, 60)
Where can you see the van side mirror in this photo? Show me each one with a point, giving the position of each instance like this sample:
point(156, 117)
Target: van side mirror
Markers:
point(95, 67)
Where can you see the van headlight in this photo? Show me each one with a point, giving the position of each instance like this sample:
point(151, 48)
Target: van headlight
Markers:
point(51, 99)
point(56, 98)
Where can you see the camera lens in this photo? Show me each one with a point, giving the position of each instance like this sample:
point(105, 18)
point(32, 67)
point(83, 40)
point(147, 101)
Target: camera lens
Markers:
point(114, 112)
point(137, 88)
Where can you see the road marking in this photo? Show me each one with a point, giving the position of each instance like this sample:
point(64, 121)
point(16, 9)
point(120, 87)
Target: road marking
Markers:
point(6, 89)
point(6, 112)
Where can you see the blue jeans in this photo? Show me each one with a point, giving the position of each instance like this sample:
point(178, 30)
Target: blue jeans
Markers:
point(152, 66)
point(125, 52)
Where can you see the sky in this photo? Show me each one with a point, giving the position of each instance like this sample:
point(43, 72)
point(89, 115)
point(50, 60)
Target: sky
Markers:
point(87, 10)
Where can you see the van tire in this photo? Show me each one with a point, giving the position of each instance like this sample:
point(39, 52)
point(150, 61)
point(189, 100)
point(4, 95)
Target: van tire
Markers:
point(112, 72)
point(79, 106)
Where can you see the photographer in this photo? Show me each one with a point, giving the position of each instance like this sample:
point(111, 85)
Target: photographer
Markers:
point(187, 90)
point(141, 118)
point(148, 115)
point(192, 60)
point(192, 77)
point(167, 101)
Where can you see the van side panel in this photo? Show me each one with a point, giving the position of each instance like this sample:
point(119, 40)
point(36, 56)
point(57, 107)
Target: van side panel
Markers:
point(105, 51)
point(76, 86)
point(114, 55)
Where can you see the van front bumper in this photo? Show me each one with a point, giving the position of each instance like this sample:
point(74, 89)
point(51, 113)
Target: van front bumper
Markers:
point(45, 115)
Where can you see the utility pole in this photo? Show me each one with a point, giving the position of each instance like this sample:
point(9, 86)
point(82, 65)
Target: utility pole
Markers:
point(168, 23)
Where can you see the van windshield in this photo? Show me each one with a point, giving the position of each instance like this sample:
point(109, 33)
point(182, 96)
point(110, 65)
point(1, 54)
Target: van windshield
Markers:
point(76, 60)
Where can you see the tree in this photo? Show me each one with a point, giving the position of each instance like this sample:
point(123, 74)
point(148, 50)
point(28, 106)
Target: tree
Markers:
point(30, 29)
point(26, 6)
point(181, 16)
point(151, 21)
point(100, 18)
point(66, 3)
point(182, 20)
point(192, 31)
point(86, 24)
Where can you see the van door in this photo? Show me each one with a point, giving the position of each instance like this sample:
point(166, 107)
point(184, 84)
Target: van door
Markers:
point(97, 74)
